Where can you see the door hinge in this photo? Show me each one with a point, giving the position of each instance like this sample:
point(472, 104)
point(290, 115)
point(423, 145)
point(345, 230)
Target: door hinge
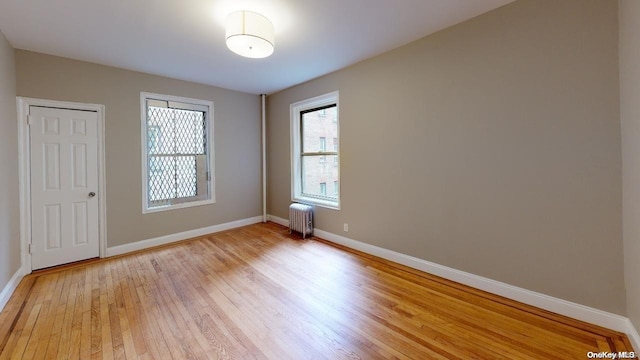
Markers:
point(29, 248)
point(208, 176)
point(28, 119)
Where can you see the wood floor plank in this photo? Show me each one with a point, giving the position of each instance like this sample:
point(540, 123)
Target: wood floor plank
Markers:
point(107, 347)
point(50, 310)
point(260, 293)
point(85, 332)
point(24, 337)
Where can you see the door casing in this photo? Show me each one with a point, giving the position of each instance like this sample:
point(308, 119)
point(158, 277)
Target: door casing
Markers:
point(24, 172)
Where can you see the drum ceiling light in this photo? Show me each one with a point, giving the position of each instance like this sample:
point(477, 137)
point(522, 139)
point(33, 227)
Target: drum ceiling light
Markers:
point(249, 34)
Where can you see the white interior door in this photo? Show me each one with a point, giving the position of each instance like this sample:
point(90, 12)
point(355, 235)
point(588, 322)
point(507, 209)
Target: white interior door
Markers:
point(64, 186)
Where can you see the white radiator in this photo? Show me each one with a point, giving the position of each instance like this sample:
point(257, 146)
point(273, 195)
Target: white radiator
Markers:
point(301, 219)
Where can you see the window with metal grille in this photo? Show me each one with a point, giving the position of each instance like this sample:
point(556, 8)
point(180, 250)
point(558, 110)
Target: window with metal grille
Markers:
point(177, 152)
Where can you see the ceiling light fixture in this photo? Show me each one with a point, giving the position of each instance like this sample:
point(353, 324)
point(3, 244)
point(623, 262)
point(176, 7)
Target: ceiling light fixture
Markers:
point(249, 34)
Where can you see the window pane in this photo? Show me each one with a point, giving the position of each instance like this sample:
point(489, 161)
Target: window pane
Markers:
point(317, 128)
point(315, 173)
point(189, 132)
point(185, 176)
point(161, 178)
point(160, 126)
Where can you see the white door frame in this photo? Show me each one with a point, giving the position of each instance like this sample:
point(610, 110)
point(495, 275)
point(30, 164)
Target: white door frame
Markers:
point(24, 157)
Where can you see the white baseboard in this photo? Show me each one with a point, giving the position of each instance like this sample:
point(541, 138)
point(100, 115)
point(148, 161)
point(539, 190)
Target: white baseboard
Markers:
point(633, 335)
point(167, 239)
point(546, 302)
point(11, 286)
point(278, 220)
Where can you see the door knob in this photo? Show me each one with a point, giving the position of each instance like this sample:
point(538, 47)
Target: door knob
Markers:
point(92, 194)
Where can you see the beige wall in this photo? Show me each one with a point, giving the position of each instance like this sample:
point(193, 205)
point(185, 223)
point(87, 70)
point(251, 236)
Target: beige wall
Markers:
point(237, 141)
point(492, 147)
point(630, 119)
point(9, 200)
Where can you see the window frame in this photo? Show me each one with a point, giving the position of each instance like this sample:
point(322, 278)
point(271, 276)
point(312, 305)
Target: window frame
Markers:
point(185, 104)
point(296, 110)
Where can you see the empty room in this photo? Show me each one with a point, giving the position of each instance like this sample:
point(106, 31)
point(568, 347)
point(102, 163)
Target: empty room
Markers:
point(279, 179)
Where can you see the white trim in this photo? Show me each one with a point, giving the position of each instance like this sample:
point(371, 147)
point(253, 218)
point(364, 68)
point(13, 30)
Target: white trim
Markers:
point(189, 234)
point(560, 306)
point(296, 163)
point(546, 302)
point(23, 104)
point(633, 335)
point(194, 104)
point(11, 286)
point(278, 220)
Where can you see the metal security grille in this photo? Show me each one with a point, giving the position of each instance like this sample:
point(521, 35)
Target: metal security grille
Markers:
point(176, 155)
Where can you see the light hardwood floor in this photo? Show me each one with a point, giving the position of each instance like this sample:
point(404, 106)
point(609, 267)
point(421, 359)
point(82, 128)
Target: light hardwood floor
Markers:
point(259, 293)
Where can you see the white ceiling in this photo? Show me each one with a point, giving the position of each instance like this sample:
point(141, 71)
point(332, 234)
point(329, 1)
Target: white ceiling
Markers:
point(184, 39)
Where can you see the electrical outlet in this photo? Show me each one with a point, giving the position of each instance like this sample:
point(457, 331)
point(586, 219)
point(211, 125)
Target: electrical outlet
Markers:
point(346, 227)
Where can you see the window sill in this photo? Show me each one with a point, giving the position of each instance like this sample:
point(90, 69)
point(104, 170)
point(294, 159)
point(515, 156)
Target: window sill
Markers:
point(177, 206)
point(333, 205)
